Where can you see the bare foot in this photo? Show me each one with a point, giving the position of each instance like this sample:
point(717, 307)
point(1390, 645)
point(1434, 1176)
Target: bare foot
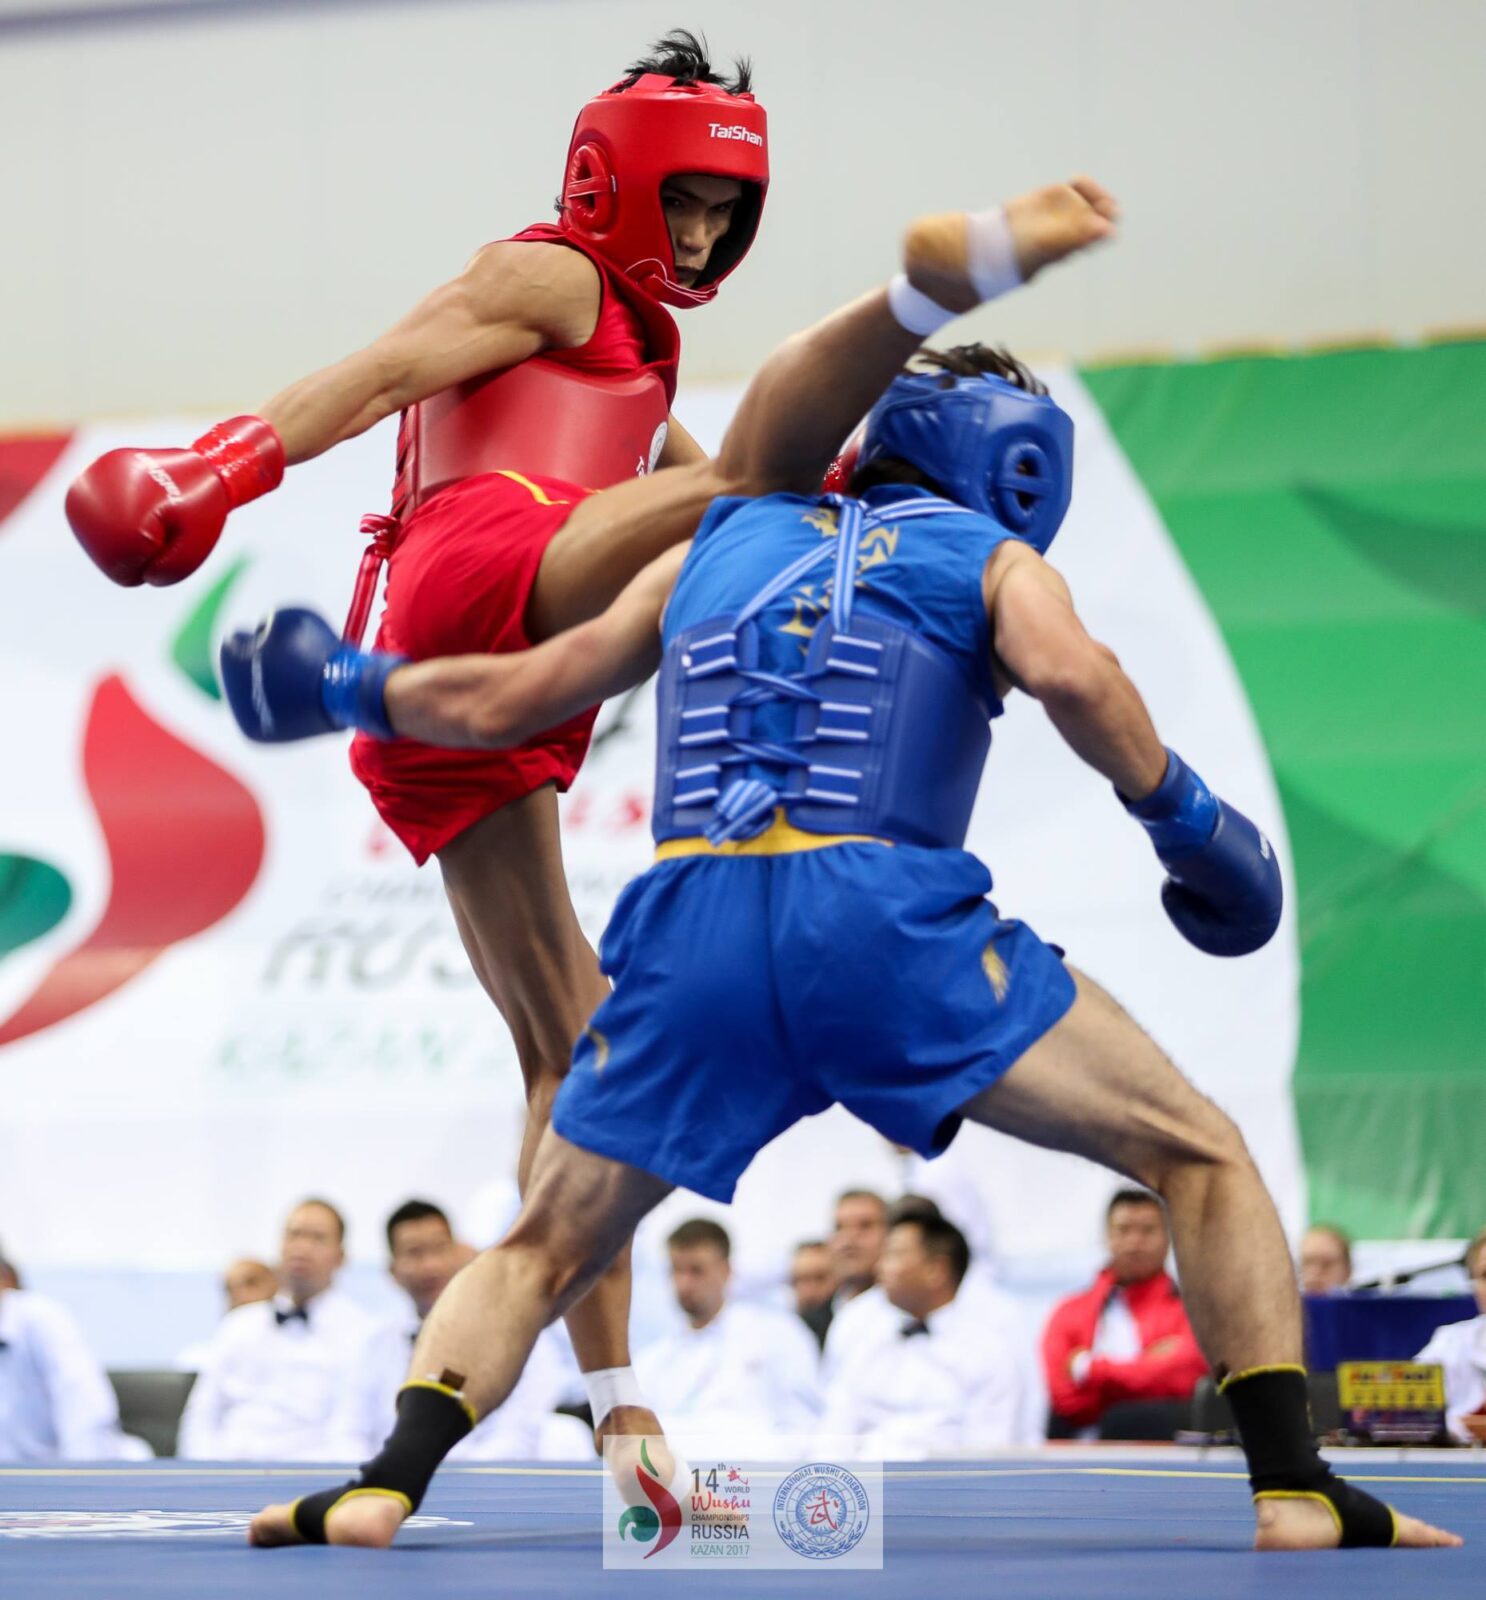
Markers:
point(370, 1521)
point(1046, 226)
point(1305, 1525)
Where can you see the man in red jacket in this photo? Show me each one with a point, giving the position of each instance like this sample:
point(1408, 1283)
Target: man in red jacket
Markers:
point(1127, 1336)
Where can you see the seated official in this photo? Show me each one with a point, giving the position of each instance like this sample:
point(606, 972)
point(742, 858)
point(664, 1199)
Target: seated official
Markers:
point(1125, 1338)
point(424, 1256)
point(812, 1284)
point(1460, 1348)
point(929, 1375)
point(55, 1402)
point(1325, 1262)
point(858, 1233)
point(245, 1282)
point(271, 1376)
point(735, 1370)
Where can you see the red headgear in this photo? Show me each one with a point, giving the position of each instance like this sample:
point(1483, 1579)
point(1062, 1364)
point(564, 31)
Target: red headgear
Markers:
point(627, 142)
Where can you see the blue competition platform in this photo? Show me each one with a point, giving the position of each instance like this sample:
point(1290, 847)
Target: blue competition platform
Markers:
point(1061, 1525)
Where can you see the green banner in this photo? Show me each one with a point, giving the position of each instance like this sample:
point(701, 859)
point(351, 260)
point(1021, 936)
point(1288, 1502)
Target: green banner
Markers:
point(1332, 508)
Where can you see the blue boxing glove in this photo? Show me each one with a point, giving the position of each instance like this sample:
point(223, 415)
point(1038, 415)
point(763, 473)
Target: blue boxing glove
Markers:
point(1224, 892)
point(294, 678)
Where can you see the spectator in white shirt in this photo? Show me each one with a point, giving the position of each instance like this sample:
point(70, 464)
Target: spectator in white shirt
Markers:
point(935, 1376)
point(424, 1256)
point(55, 1402)
point(273, 1372)
point(244, 1283)
point(1460, 1348)
point(856, 1243)
point(736, 1371)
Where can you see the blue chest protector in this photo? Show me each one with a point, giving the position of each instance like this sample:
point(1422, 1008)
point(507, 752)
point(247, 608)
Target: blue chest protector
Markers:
point(878, 732)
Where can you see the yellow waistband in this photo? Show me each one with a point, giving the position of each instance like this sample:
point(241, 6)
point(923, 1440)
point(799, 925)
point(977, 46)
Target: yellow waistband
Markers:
point(780, 838)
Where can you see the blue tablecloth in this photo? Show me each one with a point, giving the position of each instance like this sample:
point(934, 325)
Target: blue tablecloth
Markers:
point(1375, 1327)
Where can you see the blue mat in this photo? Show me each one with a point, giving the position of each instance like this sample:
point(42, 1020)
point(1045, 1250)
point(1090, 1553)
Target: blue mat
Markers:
point(1029, 1530)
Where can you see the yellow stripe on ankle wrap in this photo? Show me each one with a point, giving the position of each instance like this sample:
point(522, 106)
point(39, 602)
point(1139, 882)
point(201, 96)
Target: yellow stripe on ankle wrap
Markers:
point(443, 1388)
point(1255, 1372)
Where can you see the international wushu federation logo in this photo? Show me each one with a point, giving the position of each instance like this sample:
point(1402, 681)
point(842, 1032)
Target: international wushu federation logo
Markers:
point(821, 1511)
point(660, 1520)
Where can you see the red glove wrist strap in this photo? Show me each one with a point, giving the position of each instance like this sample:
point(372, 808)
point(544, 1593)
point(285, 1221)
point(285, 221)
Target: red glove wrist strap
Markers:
point(246, 454)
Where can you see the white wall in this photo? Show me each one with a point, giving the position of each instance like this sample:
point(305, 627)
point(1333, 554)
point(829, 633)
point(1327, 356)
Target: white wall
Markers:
point(198, 209)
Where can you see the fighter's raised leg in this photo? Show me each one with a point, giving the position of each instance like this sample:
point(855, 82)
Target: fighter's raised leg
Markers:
point(580, 1211)
point(814, 389)
point(1096, 1085)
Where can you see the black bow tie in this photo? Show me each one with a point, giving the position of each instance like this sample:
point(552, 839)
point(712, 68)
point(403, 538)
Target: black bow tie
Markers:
point(912, 1326)
point(294, 1314)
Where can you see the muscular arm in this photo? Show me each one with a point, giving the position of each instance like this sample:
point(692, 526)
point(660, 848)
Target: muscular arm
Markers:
point(512, 301)
point(490, 702)
point(1041, 647)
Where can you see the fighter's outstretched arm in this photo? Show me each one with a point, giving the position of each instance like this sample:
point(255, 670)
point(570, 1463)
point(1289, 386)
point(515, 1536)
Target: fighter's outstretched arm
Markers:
point(153, 516)
point(512, 301)
point(293, 677)
point(1223, 891)
point(490, 702)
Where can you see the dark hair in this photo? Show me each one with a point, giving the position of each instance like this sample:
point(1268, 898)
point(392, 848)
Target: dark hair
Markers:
point(913, 1208)
point(941, 1240)
point(325, 1205)
point(1131, 1197)
point(415, 1211)
point(682, 55)
point(863, 1194)
point(963, 361)
point(701, 1231)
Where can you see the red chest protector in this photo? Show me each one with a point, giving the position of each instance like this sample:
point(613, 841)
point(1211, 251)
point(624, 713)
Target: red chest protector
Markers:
point(594, 415)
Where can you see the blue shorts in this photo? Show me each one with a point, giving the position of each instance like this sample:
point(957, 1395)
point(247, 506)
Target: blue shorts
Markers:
point(751, 991)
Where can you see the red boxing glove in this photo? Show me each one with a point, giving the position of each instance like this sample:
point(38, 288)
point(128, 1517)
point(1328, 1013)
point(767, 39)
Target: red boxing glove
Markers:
point(153, 516)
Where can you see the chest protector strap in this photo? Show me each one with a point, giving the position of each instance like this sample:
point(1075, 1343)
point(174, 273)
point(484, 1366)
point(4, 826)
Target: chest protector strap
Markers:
point(879, 731)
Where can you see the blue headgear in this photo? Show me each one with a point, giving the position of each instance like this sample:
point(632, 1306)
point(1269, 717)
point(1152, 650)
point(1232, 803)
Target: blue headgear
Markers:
point(985, 443)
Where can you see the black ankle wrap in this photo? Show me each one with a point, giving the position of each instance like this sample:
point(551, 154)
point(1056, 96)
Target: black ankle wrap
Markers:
point(431, 1419)
point(1272, 1411)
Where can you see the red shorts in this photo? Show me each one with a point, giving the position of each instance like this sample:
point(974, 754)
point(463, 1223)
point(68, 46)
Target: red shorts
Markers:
point(458, 582)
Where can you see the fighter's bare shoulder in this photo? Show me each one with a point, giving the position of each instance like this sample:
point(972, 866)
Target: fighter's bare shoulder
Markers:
point(1016, 556)
point(550, 287)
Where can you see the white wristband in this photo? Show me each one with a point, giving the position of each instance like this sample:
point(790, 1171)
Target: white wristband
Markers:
point(609, 1388)
point(913, 310)
point(993, 268)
